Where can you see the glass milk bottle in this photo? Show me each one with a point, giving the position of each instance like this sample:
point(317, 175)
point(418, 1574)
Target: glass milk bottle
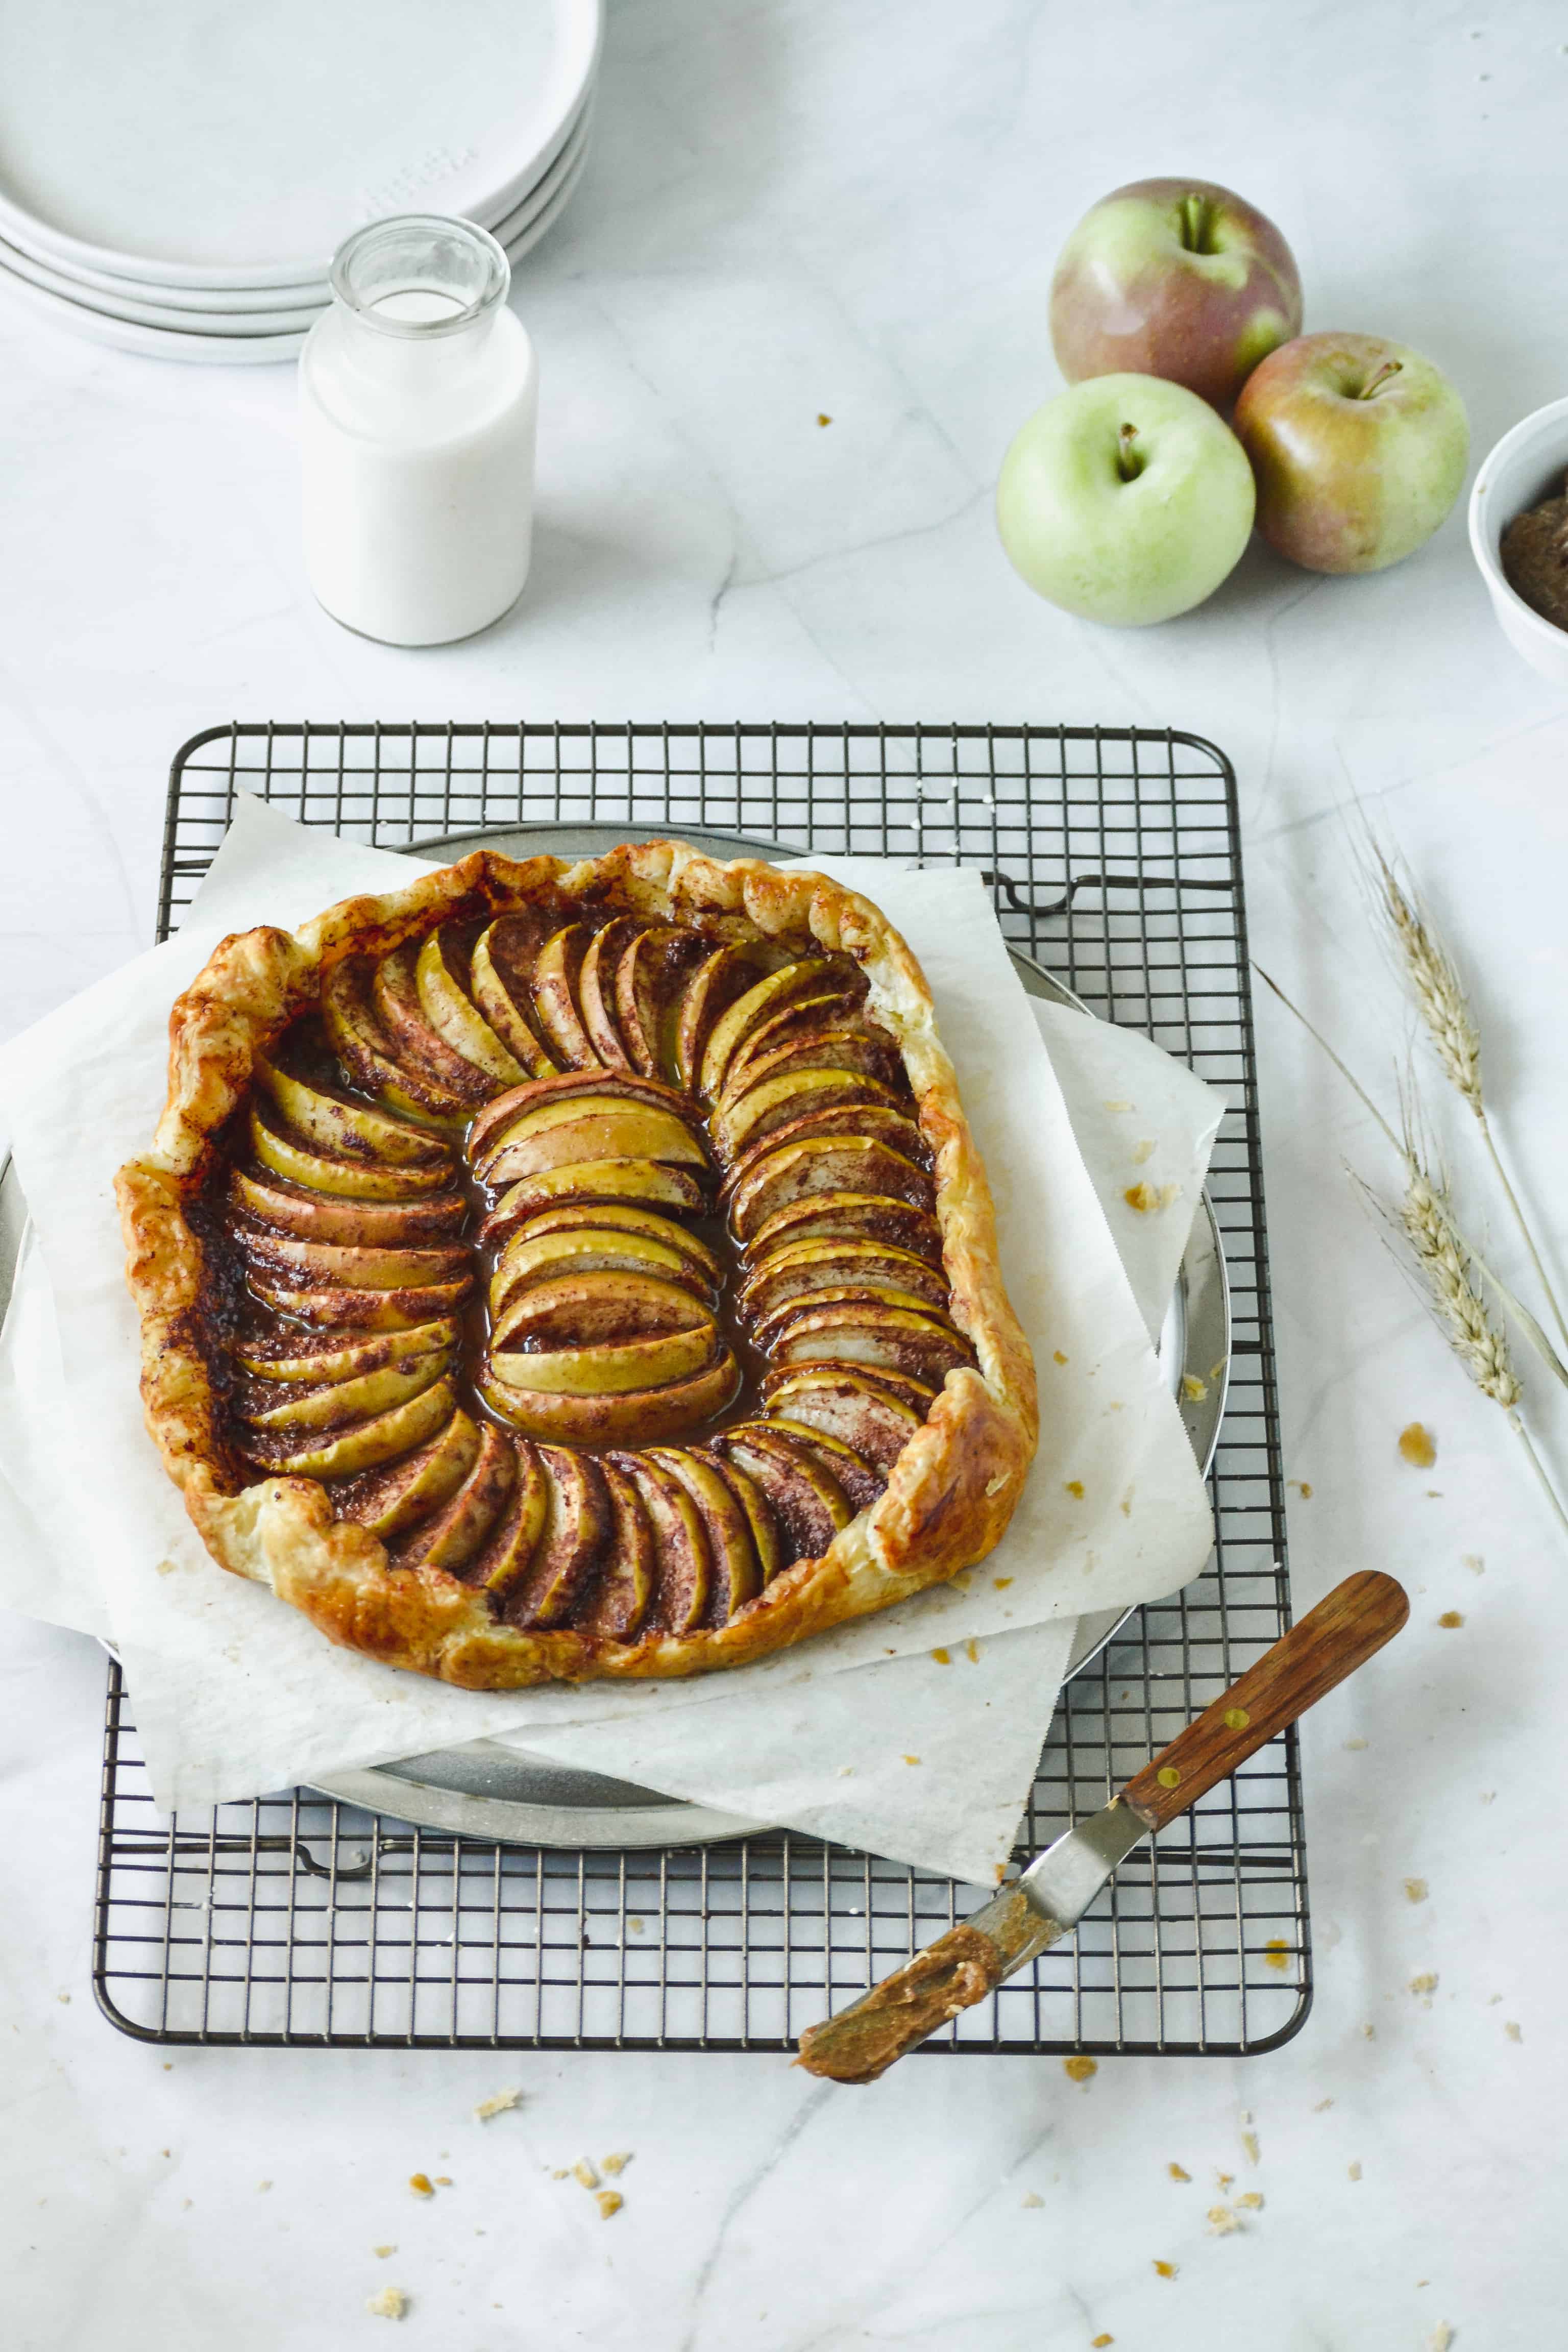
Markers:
point(418, 401)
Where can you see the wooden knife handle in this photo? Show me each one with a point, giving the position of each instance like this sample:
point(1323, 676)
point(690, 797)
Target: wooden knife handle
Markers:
point(1341, 1633)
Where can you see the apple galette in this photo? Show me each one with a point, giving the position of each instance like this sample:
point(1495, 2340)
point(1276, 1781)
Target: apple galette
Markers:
point(552, 1271)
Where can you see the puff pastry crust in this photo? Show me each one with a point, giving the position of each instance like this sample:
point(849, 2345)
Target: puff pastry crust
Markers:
point(949, 1493)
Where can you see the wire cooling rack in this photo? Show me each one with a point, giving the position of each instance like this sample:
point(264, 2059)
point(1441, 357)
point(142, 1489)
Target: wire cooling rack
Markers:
point(295, 1919)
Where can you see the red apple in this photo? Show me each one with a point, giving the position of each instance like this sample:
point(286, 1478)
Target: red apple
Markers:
point(1358, 447)
point(1173, 278)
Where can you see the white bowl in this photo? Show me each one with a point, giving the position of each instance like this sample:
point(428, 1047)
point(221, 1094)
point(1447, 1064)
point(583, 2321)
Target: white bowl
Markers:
point(1527, 466)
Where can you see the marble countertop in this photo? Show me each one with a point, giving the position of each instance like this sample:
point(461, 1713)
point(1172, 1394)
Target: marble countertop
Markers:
point(801, 212)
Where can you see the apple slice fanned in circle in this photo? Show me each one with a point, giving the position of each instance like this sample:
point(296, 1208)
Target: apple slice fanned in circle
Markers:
point(773, 1327)
point(453, 1536)
point(766, 996)
point(498, 974)
point(586, 1310)
point(735, 1573)
point(834, 1010)
point(530, 1257)
point(594, 1417)
point(359, 1311)
point(863, 1334)
point(277, 1154)
point(767, 1541)
point(650, 1183)
point(363, 1445)
point(620, 1218)
point(311, 1355)
point(684, 1572)
point(796, 1268)
point(331, 1404)
point(790, 1094)
point(325, 1217)
point(844, 1403)
point(330, 1123)
point(871, 1121)
point(517, 1102)
point(513, 1541)
point(861, 1481)
point(416, 1041)
point(379, 1067)
point(855, 1046)
point(787, 1174)
point(280, 1257)
point(554, 985)
point(589, 1127)
point(722, 975)
point(617, 1602)
point(610, 1367)
point(576, 1526)
point(386, 1501)
point(650, 980)
point(807, 1501)
point(847, 1216)
point(597, 991)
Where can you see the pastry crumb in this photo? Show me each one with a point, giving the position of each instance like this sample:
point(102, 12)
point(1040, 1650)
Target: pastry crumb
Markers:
point(609, 2201)
point(1355, 1746)
point(1194, 1391)
point(1099, 2343)
point(1369, 2033)
point(971, 1651)
point(1302, 1486)
point(1223, 2180)
point(262, 2186)
point(1425, 1984)
point(1001, 1582)
point(586, 2172)
point(846, 1771)
point(943, 1657)
point(1354, 2170)
point(822, 418)
point(497, 2105)
point(64, 1998)
point(421, 2184)
point(616, 2163)
point(1450, 1620)
point(1417, 1445)
point(1177, 2172)
point(1513, 2031)
point(1221, 2221)
point(911, 1759)
point(1276, 1953)
point(1030, 2201)
point(1442, 2336)
point(1079, 2070)
point(635, 1926)
point(1416, 1890)
point(562, 2172)
point(1165, 2270)
point(1322, 2105)
point(1143, 1149)
point(1074, 1487)
point(1141, 1197)
point(381, 2253)
point(389, 2304)
point(1250, 2201)
point(1059, 1356)
point(1250, 2149)
point(1474, 1563)
point(1118, 1105)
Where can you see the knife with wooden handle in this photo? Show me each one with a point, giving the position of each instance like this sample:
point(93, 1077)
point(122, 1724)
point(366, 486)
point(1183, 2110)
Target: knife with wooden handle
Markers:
point(1046, 1903)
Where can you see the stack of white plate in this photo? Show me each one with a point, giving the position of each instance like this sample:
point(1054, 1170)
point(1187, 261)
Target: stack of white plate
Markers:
point(175, 175)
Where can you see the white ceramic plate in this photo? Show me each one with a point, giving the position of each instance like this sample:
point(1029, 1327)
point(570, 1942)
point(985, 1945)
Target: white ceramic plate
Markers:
point(198, 142)
point(212, 348)
point(218, 309)
point(254, 314)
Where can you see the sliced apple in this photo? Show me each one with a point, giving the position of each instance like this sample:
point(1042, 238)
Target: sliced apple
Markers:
point(771, 1328)
point(415, 1042)
point(334, 1402)
point(368, 1442)
point(387, 1501)
point(851, 1046)
point(722, 976)
point(861, 1483)
point(452, 1537)
point(800, 1268)
point(684, 1571)
point(503, 1006)
point(335, 1125)
point(503, 1563)
point(618, 1602)
point(766, 996)
point(597, 991)
point(554, 985)
point(872, 1124)
point(903, 1389)
point(611, 1368)
point(637, 1181)
point(589, 1127)
point(314, 1216)
point(576, 1525)
point(793, 1172)
point(833, 1008)
point(792, 1095)
point(347, 1358)
point(348, 1180)
point(591, 1310)
point(808, 1500)
point(848, 1216)
point(453, 1015)
point(735, 1572)
point(358, 1267)
point(766, 1540)
point(533, 1257)
point(518, 1101)
point(649, 978)
point(860, 1334)
point(371, 1062)
point(360, 1310)
point(615, 1216)
point(642, 1416)
point(840, 1403)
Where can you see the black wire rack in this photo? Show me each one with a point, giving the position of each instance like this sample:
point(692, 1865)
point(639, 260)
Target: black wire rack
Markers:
point(296, 1919)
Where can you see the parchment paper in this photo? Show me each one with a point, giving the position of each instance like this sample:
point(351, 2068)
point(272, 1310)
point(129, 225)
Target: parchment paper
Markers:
point(234, 1694)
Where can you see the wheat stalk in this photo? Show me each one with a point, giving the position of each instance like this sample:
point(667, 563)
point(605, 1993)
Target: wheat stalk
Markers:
point(1421, 956)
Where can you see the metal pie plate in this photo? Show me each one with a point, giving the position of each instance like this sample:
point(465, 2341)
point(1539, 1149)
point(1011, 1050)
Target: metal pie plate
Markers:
point(484, 1790)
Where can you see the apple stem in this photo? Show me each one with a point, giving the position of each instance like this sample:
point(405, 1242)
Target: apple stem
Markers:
point(1389, 367)
point(1195, 224)
point(1128, 457)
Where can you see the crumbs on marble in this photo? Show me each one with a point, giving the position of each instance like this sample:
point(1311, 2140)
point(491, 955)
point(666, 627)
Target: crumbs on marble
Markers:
point(1442, 2336)
point(421, 2184)
point(1354, 2170)
point(1322, 2107)
point(1165, 2270)
point(1473, 1561)
point(389, 2304)
point(609, 2202)
point(1417, 1445)
point(1356, 1745)
point(846, 1771)
point(1099, 2343)
point(1513, 2031)
point(1177, 2172)
point(822, 418)
point(1030, 2201)
point(381, 2253)
point(64, 1998)
point(1222, 2222)
point(497, 2105)
point(1416, 1890)
point(1424, 1984)
point(1249, 2201)
point(1079, 2069)
point(1450, 1620)
point(911, 1759)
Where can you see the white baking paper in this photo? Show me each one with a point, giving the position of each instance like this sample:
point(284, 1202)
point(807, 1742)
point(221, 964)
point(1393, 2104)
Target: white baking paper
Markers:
point(234, 1694)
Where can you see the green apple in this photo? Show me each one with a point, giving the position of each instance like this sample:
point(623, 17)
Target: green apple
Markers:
point(1126, 500)
point(1359, 446)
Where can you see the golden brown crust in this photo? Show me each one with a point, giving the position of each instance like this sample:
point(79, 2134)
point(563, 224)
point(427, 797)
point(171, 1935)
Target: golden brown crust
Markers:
point(951, 1492)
